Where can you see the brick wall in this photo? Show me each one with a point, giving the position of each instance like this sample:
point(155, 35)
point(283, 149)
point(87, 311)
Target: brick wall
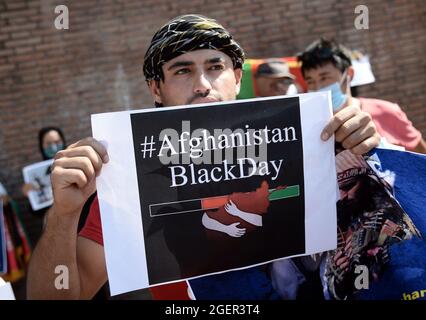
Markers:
point(60, 77)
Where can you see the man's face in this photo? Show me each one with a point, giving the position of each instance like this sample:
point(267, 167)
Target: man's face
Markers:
point(323, 76)
point(51, 137)
point(268, 87)
point(197, 77)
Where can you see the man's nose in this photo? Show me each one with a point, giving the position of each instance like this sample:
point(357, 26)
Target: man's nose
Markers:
point(281, 88)
point(202, 83)
point(314, 87)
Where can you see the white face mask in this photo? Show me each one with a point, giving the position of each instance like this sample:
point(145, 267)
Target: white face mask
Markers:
point(338, 98)
point(292, 89)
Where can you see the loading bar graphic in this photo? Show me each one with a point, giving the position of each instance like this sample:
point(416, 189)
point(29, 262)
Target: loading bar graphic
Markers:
point(213, 203)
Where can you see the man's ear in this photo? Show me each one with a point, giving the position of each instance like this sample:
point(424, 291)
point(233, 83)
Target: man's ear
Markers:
point(351, 73)
point(238, 76)
point(154, 87)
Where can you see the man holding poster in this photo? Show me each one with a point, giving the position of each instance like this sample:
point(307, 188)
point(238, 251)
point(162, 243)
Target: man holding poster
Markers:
point(191, 60)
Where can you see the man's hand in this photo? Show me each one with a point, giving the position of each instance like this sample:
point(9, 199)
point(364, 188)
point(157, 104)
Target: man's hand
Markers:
point(354, 129)
point(73, 174)
point(27, 187)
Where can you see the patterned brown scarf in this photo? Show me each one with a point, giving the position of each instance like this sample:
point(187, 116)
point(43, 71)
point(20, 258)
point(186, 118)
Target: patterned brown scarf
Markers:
point(188, 33)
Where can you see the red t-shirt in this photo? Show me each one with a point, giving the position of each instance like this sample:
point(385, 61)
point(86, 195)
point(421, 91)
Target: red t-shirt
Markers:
point(392, 123)
point(93, 230)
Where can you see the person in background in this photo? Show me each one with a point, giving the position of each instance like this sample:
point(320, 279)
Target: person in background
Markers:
point(273, 78)
point(326, 65)
point(50, 141)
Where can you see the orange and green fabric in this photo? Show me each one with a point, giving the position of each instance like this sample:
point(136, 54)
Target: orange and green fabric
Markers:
point(248, 82)
point(18, 249)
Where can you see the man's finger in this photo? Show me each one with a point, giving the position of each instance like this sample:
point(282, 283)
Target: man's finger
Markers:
point(337, 120)
point(79, 163)
point(352, 125)
point(95, 144)
point(83, 151)
point(358, 136)
point(70, 176)
point(366, 145)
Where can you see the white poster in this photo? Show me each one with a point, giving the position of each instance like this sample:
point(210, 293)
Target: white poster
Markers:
point(6, 291)
point(363, 73)
point(38, 174)
point(203, 189)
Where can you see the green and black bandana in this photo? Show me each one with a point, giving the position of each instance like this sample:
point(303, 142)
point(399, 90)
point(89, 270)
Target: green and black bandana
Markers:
point(184, 34)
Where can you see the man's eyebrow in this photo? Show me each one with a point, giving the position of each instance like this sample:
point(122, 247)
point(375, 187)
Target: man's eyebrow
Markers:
point(324, 73)
point(178, 64)
point(215, 60)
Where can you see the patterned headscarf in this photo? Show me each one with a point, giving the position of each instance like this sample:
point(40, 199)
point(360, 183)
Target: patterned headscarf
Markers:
point(184, 34)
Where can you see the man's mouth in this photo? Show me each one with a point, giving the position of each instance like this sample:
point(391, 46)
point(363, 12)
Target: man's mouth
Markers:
point(204, 100)
point(207, 97)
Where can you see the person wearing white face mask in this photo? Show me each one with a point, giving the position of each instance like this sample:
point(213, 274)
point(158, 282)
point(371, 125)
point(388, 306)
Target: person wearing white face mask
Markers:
point(273, 78)
point(339, 89)
point(50, 141)
point(326, 65)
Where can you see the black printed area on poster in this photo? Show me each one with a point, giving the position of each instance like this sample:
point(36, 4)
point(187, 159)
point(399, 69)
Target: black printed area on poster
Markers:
point(201, 218)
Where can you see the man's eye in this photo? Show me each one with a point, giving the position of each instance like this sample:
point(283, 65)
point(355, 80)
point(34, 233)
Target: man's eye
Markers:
point(182, 71)
point(217, 67)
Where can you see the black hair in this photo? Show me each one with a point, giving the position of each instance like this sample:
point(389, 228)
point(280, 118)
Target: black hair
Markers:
point(321, 52)
point(42, 133)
